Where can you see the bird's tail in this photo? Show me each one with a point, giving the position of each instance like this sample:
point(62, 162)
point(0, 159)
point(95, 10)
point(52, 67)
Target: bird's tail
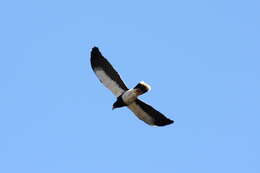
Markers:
point(142, 87)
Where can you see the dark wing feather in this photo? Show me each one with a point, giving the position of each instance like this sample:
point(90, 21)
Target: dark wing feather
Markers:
point(106, 73)
point(148, 114)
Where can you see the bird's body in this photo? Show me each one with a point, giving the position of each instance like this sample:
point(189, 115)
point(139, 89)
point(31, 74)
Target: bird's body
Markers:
point(126, 97)
point(130, 96)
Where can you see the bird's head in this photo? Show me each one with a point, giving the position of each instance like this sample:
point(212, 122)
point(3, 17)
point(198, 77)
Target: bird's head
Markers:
point(113, 107)
point(119, 103)
point(116, 105)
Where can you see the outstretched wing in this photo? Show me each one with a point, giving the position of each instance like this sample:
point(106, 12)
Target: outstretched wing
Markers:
point(148, 114)
point(106, 73)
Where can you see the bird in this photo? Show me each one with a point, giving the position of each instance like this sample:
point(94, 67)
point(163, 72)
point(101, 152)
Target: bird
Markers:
point(126, 97)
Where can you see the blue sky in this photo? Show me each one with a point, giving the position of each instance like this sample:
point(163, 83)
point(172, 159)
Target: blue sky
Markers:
point(200, 57)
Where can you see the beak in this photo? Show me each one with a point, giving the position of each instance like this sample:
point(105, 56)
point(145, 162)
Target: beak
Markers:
point(113, 108)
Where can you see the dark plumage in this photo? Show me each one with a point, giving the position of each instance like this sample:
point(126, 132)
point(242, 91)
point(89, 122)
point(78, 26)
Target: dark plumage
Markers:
point(126, 97)
point(98, 61)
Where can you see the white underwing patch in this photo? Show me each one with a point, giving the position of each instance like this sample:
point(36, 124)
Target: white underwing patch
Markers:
point(108, 82)
point(140, 113)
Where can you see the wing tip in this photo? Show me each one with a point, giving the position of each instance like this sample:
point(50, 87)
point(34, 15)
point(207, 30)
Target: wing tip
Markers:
point(95, 51)
point(164, 122)
point(95, 48)
point(95, 57)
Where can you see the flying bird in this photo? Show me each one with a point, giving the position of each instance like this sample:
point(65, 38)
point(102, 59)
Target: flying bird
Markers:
point(126, 97)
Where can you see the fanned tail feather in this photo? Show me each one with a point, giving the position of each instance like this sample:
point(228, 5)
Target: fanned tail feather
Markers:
point(143, 87)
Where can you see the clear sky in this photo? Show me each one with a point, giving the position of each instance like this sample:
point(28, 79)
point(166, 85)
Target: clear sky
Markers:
point(201, 58)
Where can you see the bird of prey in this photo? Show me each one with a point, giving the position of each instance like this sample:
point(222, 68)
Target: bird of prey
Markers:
point(126, 97)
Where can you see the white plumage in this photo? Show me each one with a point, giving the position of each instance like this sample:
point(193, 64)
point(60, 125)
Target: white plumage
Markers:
point(126, 97)
point(109, 83)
